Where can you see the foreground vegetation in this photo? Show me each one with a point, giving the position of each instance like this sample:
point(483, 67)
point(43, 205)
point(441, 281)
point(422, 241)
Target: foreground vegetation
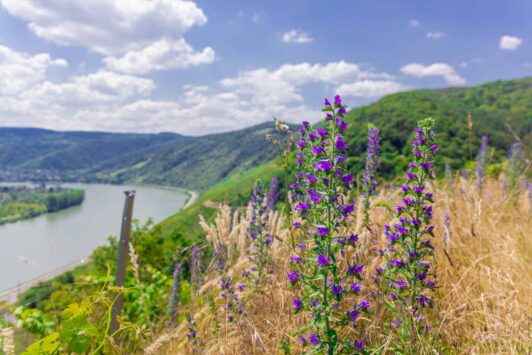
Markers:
point(481, 262)
point(21, 202)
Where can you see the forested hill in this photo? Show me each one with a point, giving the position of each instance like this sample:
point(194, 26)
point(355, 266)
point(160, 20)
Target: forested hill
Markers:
point(502, 110)
point(165, 158)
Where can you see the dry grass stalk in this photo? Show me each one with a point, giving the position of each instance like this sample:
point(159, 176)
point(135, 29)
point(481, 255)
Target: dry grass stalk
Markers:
point(483, 301)
point(8, 342)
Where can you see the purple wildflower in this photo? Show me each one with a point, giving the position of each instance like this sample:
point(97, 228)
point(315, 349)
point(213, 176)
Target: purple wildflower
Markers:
point(356, 287)
point(315, 197)
point(314, 339)
point(337, 290)
point(273, 193)
point(360, 345)
point(301, 206)
point(174, 295)
point(364, 304)
point(297, 304)
point(323, 260)
point(323, 165)
point(413, 230)
point(322, 231)
point(339, 143)
point(295, 259)
point(292, 276)
point(480, 166)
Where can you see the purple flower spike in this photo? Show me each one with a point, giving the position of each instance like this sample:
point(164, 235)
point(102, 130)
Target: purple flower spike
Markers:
point(406, 269)
point(327, 102)
point(323, 184)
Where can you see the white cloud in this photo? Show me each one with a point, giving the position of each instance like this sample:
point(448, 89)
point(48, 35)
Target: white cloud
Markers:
point(107, 26)
point(437, 69)
point(110, 101)
point(510, 43)
point(136, 36)
point(281, 86)
point(102, 87)
point(21, 70)
point(435, 35)
point(56, 105)
point(256, 17)
point(296, 36)
point(160, 55)
point(370, 88)
point(414, 23)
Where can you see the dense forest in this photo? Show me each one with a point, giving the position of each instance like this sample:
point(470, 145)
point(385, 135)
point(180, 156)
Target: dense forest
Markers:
point(501, 110)
point(20, 202)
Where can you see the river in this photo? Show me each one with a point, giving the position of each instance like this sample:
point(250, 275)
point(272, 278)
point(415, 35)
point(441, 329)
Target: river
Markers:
point(39, 246)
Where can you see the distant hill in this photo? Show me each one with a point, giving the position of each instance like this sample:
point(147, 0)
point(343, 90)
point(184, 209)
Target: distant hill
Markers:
point(502, 110)
point(166, 158)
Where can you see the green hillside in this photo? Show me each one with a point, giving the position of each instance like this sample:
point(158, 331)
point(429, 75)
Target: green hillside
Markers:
point(163, 159)
point(502, 110)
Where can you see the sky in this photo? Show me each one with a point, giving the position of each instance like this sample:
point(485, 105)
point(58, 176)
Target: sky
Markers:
point(206, 66)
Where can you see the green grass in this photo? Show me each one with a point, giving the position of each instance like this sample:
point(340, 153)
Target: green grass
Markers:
point(234, 190)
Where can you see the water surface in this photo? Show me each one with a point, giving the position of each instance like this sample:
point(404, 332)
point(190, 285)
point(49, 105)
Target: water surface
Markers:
point(37, 246)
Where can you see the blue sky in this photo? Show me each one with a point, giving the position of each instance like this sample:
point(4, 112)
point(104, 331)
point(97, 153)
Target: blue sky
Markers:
point(210, 66)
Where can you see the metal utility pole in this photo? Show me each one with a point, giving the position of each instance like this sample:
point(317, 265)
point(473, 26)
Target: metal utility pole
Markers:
point(123, 253)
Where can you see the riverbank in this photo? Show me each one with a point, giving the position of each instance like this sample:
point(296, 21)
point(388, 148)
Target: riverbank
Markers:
point(11, 295)
point(19, 203)
point(192, 195)
point(55, 240)
point(12, 292)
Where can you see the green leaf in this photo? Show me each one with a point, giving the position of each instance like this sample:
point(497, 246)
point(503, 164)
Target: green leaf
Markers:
point(47, 345)
point(390, 307)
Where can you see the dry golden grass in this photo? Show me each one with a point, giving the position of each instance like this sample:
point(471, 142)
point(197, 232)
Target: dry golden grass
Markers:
point(484, 273)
